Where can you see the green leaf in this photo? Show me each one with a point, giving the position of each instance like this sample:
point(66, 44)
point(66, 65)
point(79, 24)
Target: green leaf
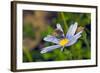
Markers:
point(48, 31)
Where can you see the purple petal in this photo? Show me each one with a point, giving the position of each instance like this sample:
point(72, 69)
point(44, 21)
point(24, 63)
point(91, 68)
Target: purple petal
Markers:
point(74, 39)
point(78, 34)
point(60, 28)
point(50, 48)
point(52, 39)
point(71, 42)
point(71, 30)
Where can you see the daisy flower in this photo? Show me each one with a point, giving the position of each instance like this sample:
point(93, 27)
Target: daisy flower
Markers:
point(69, 39)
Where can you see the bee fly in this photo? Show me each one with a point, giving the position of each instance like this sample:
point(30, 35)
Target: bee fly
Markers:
point(58, 33)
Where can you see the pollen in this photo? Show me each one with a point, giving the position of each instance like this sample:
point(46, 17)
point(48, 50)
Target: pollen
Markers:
point(63, 42)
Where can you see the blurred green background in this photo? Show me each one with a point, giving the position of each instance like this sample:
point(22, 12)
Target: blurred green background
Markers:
point(39, 24)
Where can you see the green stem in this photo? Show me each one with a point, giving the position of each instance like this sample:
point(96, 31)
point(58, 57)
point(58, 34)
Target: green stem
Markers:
point(28, 55)
point(86, 42)
point(65, 24)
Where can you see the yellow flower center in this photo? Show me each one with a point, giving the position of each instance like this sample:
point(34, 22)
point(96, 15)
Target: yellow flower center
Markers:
point(63, 42)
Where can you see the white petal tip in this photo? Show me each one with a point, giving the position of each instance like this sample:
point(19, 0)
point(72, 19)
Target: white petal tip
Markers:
point(58, 24)
point(75, 23)
point(43, 51)
point(44, 39)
